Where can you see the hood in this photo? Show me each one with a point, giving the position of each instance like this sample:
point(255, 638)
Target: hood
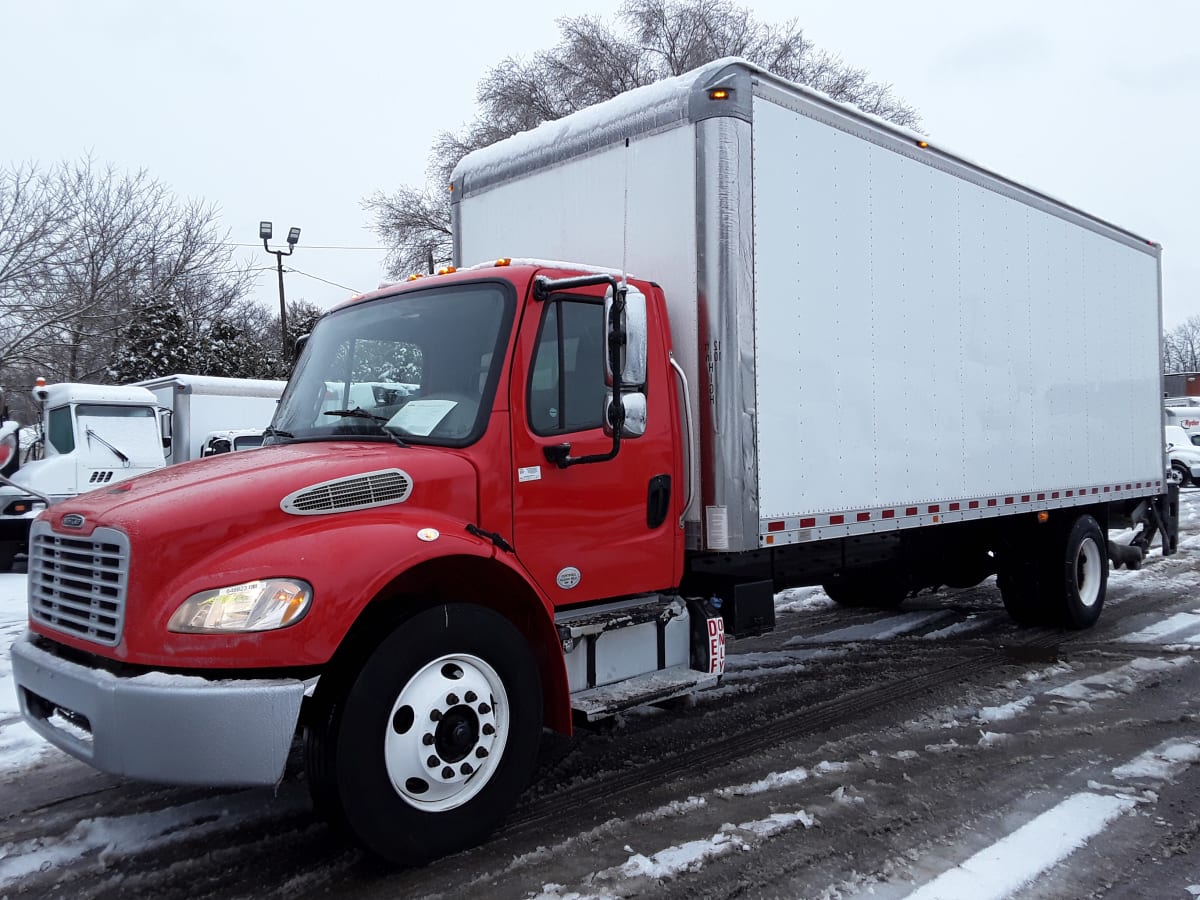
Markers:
point(199, 506)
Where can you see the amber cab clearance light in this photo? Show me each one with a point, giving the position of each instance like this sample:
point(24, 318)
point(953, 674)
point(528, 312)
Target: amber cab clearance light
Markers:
point(447, 270)
point(504, 261)
point(414, 276)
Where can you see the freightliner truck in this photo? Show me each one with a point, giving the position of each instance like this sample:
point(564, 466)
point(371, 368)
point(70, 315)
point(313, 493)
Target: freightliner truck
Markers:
point(797, 346)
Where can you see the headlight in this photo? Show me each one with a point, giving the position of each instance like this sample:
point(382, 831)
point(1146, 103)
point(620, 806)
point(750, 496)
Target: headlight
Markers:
point(254, 606)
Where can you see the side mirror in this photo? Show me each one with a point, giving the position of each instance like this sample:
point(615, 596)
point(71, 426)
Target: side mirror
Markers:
point(633, 325)
point(635, 414)
point(164, 429)
point(299, 345)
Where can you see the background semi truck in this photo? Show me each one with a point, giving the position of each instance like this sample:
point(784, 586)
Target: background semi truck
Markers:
point(524, 493)
point(89, 436)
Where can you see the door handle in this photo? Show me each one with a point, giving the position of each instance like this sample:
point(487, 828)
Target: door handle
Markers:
point(658, 500)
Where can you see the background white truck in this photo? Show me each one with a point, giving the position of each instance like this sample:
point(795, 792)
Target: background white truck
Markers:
point(200, 405)
point(89, 436)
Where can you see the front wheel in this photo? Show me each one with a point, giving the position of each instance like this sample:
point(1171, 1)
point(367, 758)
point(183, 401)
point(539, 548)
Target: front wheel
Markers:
point(1180, 474)
point(8, 554)
point(431, 744)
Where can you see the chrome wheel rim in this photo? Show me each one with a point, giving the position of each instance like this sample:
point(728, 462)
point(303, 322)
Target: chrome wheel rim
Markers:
point(1087, 572)
point(446, 732)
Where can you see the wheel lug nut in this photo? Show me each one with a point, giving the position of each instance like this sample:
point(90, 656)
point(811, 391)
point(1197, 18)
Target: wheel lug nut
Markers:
point(427, 740)
point(435, 715)
point(488, 729)
point(433, 762)
point(466, 769)
point(484, 709)
point(452, 699)
point(470, 698)
point(447, 772)
point(481, 752)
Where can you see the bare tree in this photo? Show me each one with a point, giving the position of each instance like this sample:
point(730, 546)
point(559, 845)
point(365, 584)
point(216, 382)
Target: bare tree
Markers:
point(1181, 347)
point(595, 61)
point(81, 247)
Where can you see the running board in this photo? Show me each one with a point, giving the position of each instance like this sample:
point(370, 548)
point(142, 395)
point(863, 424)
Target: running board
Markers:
point(609, 699)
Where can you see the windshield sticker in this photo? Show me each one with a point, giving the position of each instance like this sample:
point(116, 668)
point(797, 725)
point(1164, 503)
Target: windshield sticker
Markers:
point(529, 473)
point(421, 416)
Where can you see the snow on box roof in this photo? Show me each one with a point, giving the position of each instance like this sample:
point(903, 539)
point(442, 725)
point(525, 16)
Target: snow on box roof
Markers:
point(62, 394)
point(659, 105)
point(634, 112)
point(212, 384)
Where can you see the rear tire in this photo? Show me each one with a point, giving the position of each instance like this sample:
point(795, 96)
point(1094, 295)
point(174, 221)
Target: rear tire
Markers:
point(432, 742)
point(1057, 577)
point(1077, 579)
point(1021, 589)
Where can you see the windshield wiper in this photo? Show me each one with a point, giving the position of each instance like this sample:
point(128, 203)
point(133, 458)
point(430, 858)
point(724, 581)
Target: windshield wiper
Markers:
point(91, 434)
point(358, 413)
point(396, 439)
point(275, 432)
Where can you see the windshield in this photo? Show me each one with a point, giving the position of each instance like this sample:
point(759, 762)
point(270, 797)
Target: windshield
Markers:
point(422, 364)
point(111, 432)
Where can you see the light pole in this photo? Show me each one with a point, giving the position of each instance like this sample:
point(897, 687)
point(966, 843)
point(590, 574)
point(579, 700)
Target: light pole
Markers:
point(264, 232)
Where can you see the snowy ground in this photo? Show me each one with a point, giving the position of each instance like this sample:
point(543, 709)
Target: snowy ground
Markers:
point(935, 751)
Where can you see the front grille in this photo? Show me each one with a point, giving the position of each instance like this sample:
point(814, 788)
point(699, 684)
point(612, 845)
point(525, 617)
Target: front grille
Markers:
point(356, 492)
point(77, 585)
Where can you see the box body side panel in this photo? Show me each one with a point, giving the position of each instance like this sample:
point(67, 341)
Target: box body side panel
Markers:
point(920, 337)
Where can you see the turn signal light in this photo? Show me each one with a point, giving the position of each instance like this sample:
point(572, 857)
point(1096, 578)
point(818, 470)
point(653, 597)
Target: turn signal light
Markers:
point(718, 94)
point(1043, 517)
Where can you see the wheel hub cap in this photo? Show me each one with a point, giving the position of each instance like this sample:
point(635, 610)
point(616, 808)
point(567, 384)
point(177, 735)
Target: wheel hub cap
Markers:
point(446, 732)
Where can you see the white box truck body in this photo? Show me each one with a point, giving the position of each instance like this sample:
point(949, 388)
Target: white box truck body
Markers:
point(884, 335)
point(202, 404)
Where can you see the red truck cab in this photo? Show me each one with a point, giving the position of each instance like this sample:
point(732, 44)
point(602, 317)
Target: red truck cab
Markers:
point(444, 475)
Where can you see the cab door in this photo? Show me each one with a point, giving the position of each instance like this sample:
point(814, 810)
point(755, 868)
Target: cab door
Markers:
point(601, 529)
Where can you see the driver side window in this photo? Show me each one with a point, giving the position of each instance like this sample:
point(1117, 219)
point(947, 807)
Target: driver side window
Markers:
point(566, 385)
point(61, 434)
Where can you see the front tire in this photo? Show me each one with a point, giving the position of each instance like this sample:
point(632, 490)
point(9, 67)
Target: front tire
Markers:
point(431, 744)
point(8, 554)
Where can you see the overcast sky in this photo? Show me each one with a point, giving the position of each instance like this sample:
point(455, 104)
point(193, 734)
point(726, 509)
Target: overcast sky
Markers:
point(296, 111)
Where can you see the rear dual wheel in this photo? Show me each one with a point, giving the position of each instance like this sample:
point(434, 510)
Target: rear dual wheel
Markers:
point(1060, 577)
point(428, 748)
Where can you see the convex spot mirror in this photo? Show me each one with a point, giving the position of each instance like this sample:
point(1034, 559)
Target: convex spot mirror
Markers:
point(635, 414)
point(633, 323)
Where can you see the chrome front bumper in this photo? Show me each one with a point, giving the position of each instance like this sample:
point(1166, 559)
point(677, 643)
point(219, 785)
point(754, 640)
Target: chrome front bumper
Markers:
point(173, 729)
